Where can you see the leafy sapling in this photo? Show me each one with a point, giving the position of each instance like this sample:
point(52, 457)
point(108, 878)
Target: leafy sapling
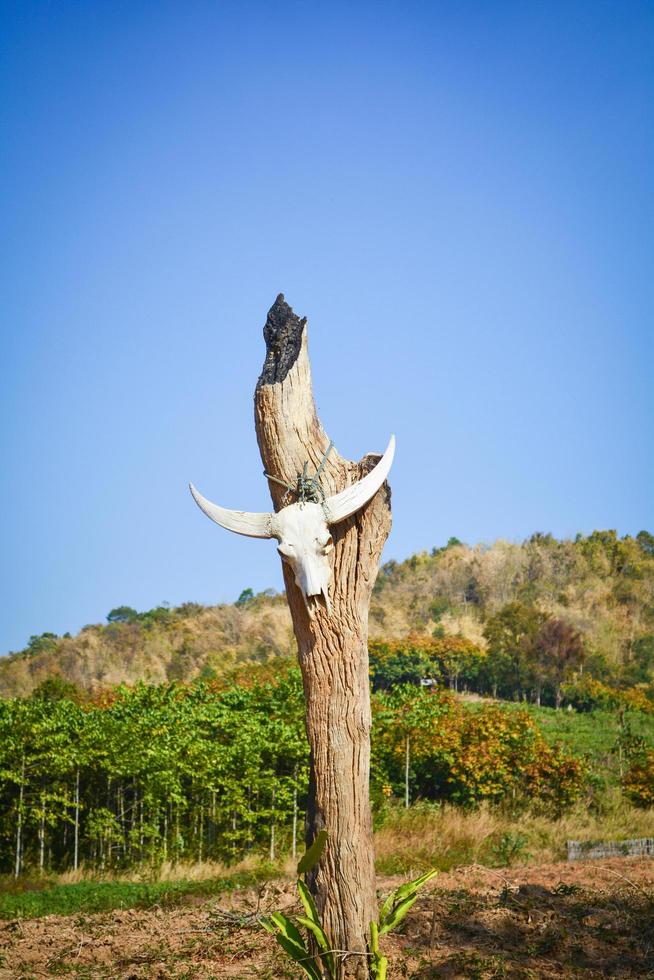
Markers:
point(391, 914)
point(322, 963)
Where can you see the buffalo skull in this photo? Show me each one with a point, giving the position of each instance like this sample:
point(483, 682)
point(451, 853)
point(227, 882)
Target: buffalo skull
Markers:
point(302, 529)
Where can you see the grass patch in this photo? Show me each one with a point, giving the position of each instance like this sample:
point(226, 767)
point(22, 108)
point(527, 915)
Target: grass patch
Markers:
point(446, 837)
point(592, 733)
point(103, 896)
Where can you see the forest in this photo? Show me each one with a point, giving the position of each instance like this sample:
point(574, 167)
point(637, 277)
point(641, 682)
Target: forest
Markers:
point(189, 772)
point(513, 676)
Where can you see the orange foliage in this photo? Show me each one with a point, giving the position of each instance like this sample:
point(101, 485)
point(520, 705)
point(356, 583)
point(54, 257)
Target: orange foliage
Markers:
point(639, 780)
point(467, 756)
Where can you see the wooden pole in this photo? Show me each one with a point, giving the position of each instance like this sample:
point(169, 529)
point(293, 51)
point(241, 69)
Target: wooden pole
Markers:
point(333, 649)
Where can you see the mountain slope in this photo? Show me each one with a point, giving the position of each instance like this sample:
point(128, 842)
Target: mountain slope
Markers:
point(601, 584)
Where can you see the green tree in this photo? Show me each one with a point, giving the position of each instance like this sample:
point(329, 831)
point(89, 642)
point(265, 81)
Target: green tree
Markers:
point(42, 643)
point(395, 664)
point(57, 688)
point(510, 635)
point(122, 614)
point(646, 542)
point(404, 720)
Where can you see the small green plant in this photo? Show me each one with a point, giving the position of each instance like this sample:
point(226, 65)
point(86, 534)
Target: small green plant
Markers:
point(510, 848)
point(322, 964)
point(400, 901)
point(564, 889)
point(391, 914)
point(286, 931)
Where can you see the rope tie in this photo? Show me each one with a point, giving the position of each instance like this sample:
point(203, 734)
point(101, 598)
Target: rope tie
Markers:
point(307, 488)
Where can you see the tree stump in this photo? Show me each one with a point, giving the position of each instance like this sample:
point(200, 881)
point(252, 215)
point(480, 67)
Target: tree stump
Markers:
point(333, 649)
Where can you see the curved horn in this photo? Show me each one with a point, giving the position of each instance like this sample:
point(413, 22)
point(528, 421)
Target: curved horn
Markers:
point(345, 503)
point(241, 521)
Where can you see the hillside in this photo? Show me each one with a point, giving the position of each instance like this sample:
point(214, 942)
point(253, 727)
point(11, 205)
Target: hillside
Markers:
point(600, 585)
point(161, 645)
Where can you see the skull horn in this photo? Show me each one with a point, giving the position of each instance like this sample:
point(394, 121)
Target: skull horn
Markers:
point(348, 501)
point(241, 521)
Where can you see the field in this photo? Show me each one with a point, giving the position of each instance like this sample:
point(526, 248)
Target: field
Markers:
point(505, 903)
point(581, 920)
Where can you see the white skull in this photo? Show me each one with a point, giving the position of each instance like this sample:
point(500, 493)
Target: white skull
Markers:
point(305, 543)
point(302, 529)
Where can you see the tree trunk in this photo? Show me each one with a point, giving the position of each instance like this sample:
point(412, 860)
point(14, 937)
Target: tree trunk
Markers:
point(19, 823)
point(407, 764)
point(76, 840)
point(294, 834)
point(123, 827)
point(272, 828)
point(42, 834)
point(333, 650)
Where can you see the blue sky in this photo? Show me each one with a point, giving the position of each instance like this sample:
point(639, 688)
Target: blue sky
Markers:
point(458, 196)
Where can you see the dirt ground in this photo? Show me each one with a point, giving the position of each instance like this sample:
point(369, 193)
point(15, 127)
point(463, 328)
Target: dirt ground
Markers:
point(584, 919)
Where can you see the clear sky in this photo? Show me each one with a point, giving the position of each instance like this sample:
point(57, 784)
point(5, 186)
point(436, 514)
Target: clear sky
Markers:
point(459, 197)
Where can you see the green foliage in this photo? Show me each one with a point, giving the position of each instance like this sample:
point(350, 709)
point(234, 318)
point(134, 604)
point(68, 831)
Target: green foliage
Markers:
point(596, 592)
point(393, 664)
point(398, 903)
point(452, 542)
point(423, 658)
point(313, 855)
point(391, 915)
point(593, 735)
point(378, 962)
point(162, 772)
point(588, 694)
point(42, 643)
point(555, 654)
point(125, 615)
point(154, 617)
point(510, 848)
point(490, 753)
point(290, 939)
point(511, 634)
point(247, 595)
point(56, 688)
point(311, 922)
point(183, 772)
point(640, 669)
point(122, 614)
point(646, 543)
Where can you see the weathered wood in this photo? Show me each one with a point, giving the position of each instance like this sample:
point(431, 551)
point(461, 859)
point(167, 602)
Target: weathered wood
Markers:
point(333, 650)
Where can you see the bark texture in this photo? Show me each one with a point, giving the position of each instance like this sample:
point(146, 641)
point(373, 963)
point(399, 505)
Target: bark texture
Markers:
point(333, 650)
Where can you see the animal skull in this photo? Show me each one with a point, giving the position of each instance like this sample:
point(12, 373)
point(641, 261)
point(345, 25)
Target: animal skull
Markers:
point(302, 529)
